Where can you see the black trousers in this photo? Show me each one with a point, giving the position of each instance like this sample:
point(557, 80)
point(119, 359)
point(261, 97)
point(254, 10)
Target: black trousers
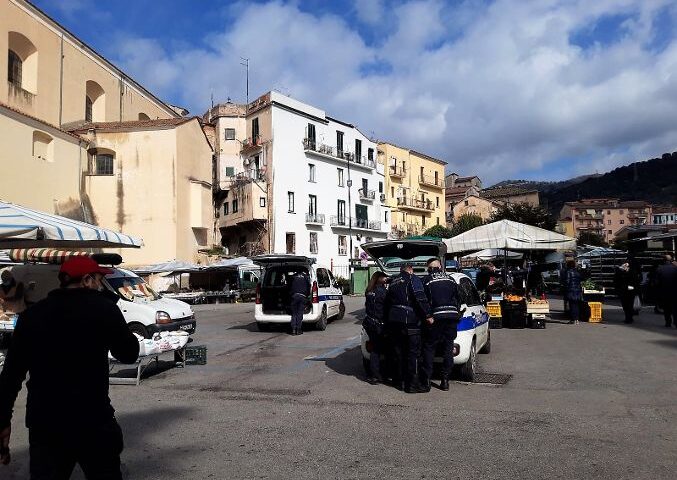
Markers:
point(406, 347)
point(298, 304)
point(439, 333)
point(378, 348)
point(96, 448)
point(669, 311)
point(627, 302)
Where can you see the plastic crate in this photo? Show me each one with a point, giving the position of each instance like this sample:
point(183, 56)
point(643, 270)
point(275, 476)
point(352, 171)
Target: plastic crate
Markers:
point(196, 355)
point(495, 322)
point(494, 309)
point(595, 312)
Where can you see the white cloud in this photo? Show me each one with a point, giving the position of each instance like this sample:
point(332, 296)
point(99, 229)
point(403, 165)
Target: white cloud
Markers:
point(497, 89)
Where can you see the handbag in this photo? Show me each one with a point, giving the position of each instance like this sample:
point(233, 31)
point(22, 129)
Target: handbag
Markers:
point(372, 325)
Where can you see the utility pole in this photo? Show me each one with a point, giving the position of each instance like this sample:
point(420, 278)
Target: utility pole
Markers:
point(350, 218)
point(245, 63)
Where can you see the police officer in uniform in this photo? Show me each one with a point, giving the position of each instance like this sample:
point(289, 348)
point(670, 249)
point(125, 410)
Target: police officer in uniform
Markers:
point(299, 298)
point(407, 307)
point(442, 293)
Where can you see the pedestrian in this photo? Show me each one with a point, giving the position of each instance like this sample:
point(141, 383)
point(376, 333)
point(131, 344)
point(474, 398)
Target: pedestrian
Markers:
point(483, 281)
point(574, 290)
point(375, 296)
point(442, 292)
point(666, 282)
point(407, 307)
point(299, 298)
point(626, 284)
point(69, 414)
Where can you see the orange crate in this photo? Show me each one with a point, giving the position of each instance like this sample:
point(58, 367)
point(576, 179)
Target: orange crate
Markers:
point(595, 312)
point(494, 309)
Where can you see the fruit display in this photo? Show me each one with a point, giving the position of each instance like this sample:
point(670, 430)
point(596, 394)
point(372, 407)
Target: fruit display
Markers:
point(538, 301)
point(513, 298)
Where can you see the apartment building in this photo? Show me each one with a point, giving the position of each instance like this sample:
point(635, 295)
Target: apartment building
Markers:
point(459, 188)
point(604, 216)
point(414, 189)
point(60, 100)
point(294, 180)
point(664, 215)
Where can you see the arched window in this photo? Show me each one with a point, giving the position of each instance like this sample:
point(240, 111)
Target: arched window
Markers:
point(22, 65)
point(95, 102)
point(42, 146)
point(143, 116)
point(101, 162)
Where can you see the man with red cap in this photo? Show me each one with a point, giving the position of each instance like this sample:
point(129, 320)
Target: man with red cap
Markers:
point(63, 343)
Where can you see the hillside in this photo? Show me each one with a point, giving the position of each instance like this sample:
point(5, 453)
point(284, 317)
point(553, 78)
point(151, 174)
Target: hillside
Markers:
point(654, 181)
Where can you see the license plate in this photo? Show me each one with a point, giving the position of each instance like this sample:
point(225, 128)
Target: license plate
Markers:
point(186, 327)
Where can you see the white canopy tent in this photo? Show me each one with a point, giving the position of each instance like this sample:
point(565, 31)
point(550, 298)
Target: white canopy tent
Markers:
point(509, 235)
point(492, 254)
point(173, 266)
point(22, 227)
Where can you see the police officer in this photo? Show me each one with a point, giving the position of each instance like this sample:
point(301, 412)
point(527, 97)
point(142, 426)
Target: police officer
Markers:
point(407, 307)
point(442, 293)
point(373, 323)
point(299, 298)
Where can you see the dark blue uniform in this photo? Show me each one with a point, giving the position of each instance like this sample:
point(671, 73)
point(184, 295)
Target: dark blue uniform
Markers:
point(373, 325)
point(407, 307)
point(299, 297)
point(442, 292)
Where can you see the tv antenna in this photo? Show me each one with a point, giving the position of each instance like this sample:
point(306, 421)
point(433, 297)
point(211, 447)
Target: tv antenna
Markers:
point(245, 64)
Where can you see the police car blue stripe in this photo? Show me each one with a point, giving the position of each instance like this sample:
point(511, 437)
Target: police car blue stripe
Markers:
point(470, 323)
point(324, 298)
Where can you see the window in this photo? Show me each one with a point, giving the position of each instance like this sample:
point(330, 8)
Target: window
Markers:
point(14, 66)
point(340, 177)
point(422, 174)
point(608, 222)
point(436, 177)
point(230, 171)
point(225, 208)
point(311, 173)
point(323, 280)
point(291, 242)
point(392, 191)
point(339, 143)
point(380, 187)
point(88, 109)
point(341, 212)
point(438, 220)
point(621, 212)
point(361, 215)
point(423, 220)
point(622, 222)
point(42, 146)
point(465, 202)
point(312, 205)
point(229, 134)
point(235, 205)
point(468, 293)
point(103, 164)
point(255, 128)
point(312, 138)
point(342, 245)
point(143, 116)
point(437, 202)
point(385, 217)
point(262, 201)
point(95, 102)
point(358, 151)
point(365, 186)
point(313, 242)
point(370, 153)
point(610, 231)
point(200, 235)
point(290, 202)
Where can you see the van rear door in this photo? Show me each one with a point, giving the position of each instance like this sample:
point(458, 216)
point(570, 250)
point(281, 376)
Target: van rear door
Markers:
point(276, 280)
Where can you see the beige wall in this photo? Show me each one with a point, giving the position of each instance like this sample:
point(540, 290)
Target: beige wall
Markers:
point(123, 100)
point(50, 185)
point(473, 204)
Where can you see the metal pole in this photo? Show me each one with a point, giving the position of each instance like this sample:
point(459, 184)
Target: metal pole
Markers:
point(246, 65)
point(350, 218)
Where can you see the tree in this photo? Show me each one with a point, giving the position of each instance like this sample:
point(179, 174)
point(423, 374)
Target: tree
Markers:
point(466, 222)
point(524, 213)
point(591, 238)
point(438, 231)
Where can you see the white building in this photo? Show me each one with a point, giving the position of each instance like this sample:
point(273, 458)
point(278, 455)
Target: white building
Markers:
point(294, 180)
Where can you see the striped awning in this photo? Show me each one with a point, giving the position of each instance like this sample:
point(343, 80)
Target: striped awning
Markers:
point(43, 255)
point(22, 227)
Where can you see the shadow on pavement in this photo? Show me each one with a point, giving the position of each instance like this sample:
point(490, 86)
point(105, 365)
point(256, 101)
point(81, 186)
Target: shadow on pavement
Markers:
point(250, 327)
point(347, 363)
point(665, 342)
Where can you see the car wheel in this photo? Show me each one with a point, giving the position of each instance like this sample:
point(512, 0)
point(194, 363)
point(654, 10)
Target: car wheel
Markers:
point(263, 327)
point(487, 346)
point(342, 311)
point(468, 368)
point(139, 330)
point(321, 324)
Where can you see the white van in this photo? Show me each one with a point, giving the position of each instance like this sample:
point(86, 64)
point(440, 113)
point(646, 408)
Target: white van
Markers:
point(473, 328)
point(273, 301)
point(145, 311)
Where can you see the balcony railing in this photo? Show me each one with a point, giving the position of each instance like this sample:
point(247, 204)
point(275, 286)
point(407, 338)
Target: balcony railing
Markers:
point(431, 181)
point(415, 203)
point(396, 171)
point(315, 218)
point(366, 194)
point(251, 143)
point(339, 221)
point(640, 214)
point(590, 216)
point(310, 145)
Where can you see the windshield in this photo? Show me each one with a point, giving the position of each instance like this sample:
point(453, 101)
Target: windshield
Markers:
point(392, 264)
point(132, 287)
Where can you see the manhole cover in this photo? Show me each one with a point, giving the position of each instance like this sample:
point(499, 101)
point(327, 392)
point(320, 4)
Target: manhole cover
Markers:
point(492, 378)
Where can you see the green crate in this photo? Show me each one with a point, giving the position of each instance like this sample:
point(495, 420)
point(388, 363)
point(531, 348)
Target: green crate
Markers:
point(196, 355)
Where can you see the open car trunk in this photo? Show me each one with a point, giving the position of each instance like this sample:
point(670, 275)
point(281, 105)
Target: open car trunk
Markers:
point(276, 281)
point(393, 254)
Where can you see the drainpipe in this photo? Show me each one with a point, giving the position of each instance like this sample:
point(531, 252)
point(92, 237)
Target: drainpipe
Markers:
point(61, 86)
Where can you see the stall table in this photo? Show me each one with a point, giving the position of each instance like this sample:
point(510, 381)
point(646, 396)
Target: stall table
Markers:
point(140, 365)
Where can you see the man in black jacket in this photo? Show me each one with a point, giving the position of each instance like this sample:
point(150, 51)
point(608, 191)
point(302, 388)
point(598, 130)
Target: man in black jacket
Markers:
point(666, 279)
point(299, 298)
point(68, 414)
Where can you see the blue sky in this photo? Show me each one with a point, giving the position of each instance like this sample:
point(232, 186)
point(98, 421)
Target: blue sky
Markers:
point(544, 89)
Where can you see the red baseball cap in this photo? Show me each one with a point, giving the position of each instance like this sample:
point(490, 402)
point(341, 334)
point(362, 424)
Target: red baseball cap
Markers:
point(78, 267)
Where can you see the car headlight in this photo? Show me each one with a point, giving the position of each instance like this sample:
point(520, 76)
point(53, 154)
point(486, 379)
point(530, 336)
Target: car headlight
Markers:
point(162, 317)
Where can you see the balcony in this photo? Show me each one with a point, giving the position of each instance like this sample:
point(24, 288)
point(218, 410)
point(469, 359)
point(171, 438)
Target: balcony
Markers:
point(398, 172)
point(405, 230)
point(640, 214)
point(315, 218)
point(312, 147)
point(431, 181)
point(407, 203)
point(251, 144)
point(247, 191)
point(382, 197)
point(589, 216)
point(366, 194)
point(355, 223)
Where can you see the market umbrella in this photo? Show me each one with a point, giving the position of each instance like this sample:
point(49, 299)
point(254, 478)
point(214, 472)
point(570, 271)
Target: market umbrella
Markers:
point(22, 227)
point(492, 254)
point(173, 266)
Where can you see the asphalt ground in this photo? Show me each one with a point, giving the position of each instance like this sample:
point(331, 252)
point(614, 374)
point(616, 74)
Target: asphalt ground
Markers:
point(585, 401)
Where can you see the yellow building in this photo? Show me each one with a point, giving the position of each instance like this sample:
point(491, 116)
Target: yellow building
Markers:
point(80, 138)
point(414, 189)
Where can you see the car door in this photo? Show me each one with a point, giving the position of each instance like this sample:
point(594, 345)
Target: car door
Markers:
point(324, 291)
point(475, 309)
point(337, 293)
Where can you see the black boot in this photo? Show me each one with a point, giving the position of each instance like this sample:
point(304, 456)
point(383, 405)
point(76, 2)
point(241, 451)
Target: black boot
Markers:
point(416, 388)
point(444, 384)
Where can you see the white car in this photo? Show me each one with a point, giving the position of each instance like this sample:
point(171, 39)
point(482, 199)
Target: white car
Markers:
point(273, 301)
point(473, 328)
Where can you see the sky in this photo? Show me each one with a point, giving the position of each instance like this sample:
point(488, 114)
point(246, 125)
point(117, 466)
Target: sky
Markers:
point(503, 89)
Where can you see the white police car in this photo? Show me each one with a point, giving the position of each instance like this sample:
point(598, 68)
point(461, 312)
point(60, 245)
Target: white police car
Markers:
point(473, 328)
point(273, 299)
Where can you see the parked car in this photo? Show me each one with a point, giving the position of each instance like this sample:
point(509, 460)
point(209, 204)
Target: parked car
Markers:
point(473, 328)
point(145, 311)
point(273, 299)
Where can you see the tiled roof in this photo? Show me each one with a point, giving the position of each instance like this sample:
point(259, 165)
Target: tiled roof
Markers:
point(633, 204)
point(465, 179)
point(500, 192)
point(456, 190)
point(664, 209)
point(4, 105)
point(134, 124)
